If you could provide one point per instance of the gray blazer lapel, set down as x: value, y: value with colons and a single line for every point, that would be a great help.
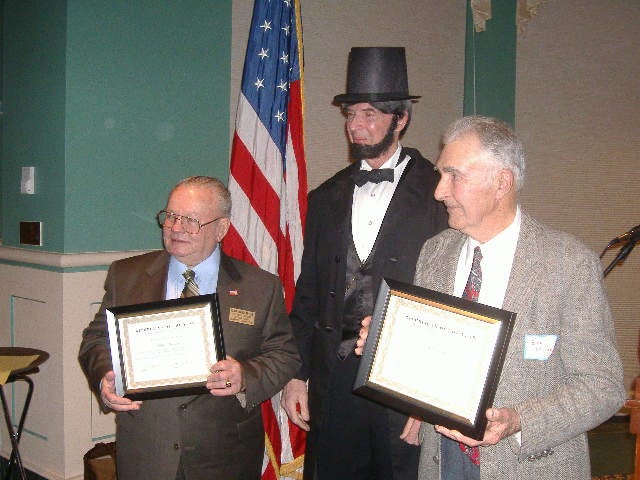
x: 449, y: 265
x: 436, y: 268
x: 525, y: 278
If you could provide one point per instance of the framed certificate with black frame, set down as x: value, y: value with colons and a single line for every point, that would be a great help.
x: 165, y: 348
x: 434, y: 356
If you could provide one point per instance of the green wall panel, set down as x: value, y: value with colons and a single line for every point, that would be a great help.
x: 144, y: 102
x: 490, y: 64
x: 34, y: 39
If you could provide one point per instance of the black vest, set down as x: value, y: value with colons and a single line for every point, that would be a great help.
x: 362, y: 281
x: 358, y: 294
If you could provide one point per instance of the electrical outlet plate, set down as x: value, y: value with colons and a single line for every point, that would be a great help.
x: 31, y: 233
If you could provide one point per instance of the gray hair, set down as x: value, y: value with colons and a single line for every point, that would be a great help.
x: 497, y: 138
x: 224, y: 196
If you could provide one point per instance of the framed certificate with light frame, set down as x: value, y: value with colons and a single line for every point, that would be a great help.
x: 165, y: 348
x: 434, y: 356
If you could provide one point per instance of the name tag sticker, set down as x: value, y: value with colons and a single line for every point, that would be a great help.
x: 539, y: 347
x: 245, y: 317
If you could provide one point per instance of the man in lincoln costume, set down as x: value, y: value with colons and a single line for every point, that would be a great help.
x: 366, y: 222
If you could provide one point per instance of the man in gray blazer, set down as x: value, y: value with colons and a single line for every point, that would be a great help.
x: 212, y: 435
x: 562, y: 374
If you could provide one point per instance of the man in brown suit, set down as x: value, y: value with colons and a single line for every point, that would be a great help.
x: 218, y: 434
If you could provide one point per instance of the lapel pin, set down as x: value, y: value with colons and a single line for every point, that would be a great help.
x: 233, y: 293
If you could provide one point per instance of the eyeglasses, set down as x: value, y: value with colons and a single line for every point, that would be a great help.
x: 190, y: 225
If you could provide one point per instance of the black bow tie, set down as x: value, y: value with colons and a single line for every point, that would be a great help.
x: 374, y: 176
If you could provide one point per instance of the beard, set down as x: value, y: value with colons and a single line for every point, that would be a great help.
x: 359, y: 151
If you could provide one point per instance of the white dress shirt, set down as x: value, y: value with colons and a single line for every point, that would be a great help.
x: 206, y: 275
x: 496, y: 263
x: 497, y: 259
x: 370, y: 203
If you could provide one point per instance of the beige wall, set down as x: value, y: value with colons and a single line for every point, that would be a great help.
x: 48, y: 310
x: 31, y: 301
x: 578, y: 94
x: 45, y: 309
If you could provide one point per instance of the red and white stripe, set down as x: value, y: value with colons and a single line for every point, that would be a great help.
x: 269, y: 203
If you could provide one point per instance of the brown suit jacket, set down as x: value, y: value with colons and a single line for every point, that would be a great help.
x: 213, y: 437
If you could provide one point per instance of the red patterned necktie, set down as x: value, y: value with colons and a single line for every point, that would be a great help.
x: 471, y: 292
x: 472, y: 289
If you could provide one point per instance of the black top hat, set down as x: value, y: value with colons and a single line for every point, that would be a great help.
x: 376, y: 74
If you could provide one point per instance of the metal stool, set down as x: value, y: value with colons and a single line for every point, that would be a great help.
x: 23, y: 375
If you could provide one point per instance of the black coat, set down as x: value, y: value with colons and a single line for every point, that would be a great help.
x: 412, y: 217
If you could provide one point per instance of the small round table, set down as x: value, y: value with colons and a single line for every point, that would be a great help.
x: 19, y: 374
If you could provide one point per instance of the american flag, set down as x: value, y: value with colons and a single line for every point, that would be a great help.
x: 268, y: 184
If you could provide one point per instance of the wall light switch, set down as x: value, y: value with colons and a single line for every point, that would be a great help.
x: 28, y: 180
